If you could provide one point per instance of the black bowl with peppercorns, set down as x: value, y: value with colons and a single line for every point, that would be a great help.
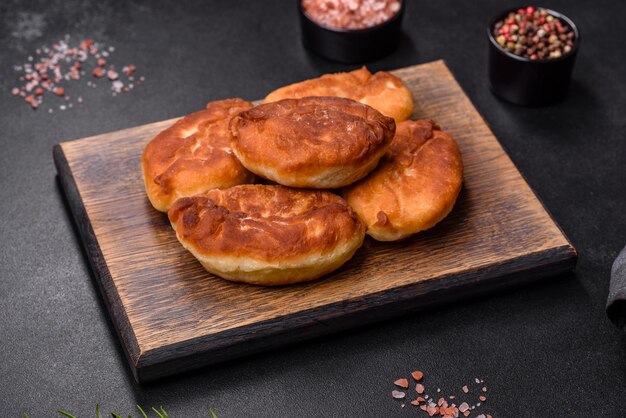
x: 349, y: 31
x: 531, y: 55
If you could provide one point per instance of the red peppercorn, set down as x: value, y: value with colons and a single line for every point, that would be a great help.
x: 534, y: 32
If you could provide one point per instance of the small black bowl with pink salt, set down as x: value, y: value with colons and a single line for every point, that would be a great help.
x: 351, y: 31
x: 532, y: 52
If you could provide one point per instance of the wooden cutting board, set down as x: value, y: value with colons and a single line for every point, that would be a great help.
x: 171, y: 315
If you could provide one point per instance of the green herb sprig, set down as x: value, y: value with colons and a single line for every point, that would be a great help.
x: 160, y: 413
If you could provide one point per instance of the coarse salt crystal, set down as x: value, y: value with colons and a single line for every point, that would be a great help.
x: 117, y: 86
x: 397, y: 394
x: 417, y: 375
x: 403, y: 383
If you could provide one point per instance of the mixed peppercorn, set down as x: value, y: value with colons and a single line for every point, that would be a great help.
x: 534, y: 33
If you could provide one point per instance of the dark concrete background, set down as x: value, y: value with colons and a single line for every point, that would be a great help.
x: 543, y: 350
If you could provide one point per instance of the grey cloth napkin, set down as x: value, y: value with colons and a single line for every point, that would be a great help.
x: 616, y: 303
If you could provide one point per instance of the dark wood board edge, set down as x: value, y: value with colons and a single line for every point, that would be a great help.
x: 507, y: 155
x: 258, y: 337
x: 278, y: 332
x: 96, y: 259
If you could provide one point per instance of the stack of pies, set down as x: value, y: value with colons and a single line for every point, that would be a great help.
x: 285, y: 191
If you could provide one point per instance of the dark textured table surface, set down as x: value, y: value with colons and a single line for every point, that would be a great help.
x: 545, y: 349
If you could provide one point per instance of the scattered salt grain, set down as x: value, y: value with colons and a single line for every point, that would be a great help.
x: 403, y: 383
x: 440, y: 407
x: 117, y: 86
x: 397, y: 394
x: 54, y: 66
x: 417, y: 375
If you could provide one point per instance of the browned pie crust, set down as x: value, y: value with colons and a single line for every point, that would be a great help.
x: 382, y: 91
x: 415, y: 185
x: 314, y: 142
x: 194, y: 155
x: 266, y: 234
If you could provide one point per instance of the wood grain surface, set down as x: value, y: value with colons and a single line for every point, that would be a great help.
x: 172, y: 315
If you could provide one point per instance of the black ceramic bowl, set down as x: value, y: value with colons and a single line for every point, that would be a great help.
x: 351, y: 45
x: 530, y: 82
